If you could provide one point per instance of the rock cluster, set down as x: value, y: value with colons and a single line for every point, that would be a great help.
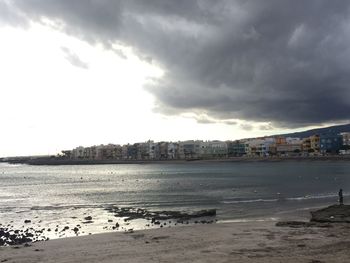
x: 332, y: 214
x: 322, y: 218
x: 9, y: 236
x: 129, y: 213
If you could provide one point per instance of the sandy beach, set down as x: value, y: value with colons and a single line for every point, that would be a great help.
x: 224, y: 242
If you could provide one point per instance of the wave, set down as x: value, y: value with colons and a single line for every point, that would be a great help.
x: 249, y: 201
x: 246, y: 220
x: 281, y: 199
x: 309, y: 197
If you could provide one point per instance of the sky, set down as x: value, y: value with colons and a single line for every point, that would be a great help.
x: 90, y: 72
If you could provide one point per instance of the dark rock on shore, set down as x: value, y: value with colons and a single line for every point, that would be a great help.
x: 14, y: 237
x: 165, y: 215
x: 332, y: 214
x: 322, y: 218
x: 129, y: 213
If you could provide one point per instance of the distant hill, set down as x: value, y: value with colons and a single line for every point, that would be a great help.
x: 328, y: 130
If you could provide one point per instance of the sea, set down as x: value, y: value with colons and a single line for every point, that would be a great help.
x: 57, y: 199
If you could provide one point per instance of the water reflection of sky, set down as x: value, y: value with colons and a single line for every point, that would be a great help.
x: 171, y: 186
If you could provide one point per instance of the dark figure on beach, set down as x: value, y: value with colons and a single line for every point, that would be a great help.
x: 341, y: 200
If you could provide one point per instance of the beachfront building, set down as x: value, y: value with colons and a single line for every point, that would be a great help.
x: 282, y: 146
x: 196, y: 149
x: 130, y: 151
x: 311, y: 145
x: 289, y: 146
x: 173, y: 151
x: 218, y: 149
x: 257, y: 147
x: 142, y: 151
x: 330, y: 143
x: 163, y: 150
x: 212, y: 149
x: 153, y: 150
x: 293, y: 140
x: 251, y: 147
x: 288, y: 149
x: 346, y: 138
x: 189, y: 149
x: 106, y: 152
x: 78, y: 153
x: 280, y: 140
x: 315, y: 143
x: 270, y: 145
x: 306, y: 145
x: 88, y: 153
x: 205, y: 150
x: 345, y: 149
x: 237, y: 148
x: 125, y: 152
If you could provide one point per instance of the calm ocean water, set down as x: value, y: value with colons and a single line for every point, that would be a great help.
x: 52, y: 196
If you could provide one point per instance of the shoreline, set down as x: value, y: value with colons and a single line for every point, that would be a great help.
x: 223, y: 242
x: 81, y: 221
x: 56, y: 161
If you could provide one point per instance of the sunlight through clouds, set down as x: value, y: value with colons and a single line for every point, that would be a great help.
x: 59, y: 92
x: 46, y: 94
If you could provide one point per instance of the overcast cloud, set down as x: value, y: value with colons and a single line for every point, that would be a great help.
x: 74, y: 59
x: 278, y: 61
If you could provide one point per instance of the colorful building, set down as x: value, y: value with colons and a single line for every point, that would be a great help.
x: 331, y: 143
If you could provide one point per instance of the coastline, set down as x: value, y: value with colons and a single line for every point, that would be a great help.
x: 223, y: 242
x: 57, y: 161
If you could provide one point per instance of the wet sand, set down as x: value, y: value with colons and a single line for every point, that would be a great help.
x: 224, y: 242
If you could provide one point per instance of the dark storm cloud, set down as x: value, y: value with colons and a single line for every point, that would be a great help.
x: 8, y: 15
x: 284, y: 62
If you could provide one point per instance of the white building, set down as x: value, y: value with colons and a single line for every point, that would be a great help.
x: 190, y: 149
x: 153, y: 150
x: 291, y: 140
x: 173, y: 149
x: 78, y: 153
x: 256, y: 147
